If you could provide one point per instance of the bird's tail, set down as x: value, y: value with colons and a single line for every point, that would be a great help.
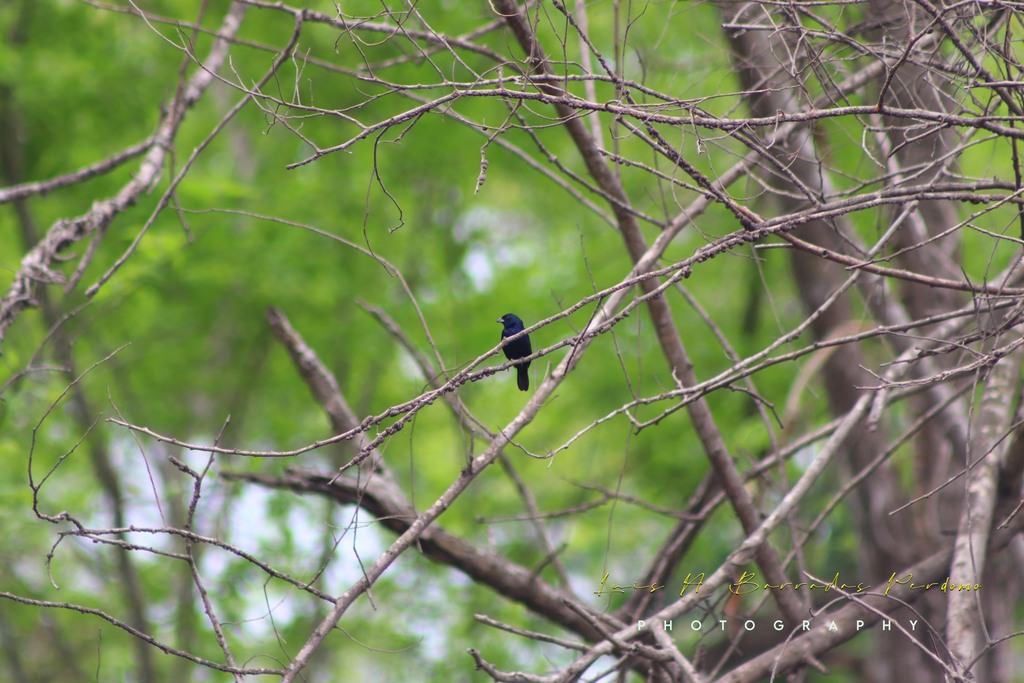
x: 523, y: 378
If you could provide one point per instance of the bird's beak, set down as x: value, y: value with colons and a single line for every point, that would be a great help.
x: 499, y: 320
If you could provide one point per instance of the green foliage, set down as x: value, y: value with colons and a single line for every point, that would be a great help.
x: 177, y: 341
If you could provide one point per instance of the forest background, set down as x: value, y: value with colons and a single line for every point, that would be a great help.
x: 255, y: 423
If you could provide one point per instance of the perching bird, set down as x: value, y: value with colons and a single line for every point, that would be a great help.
x: 520, y: 348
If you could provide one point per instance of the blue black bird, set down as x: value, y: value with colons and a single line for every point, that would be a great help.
x: 520, y: 348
